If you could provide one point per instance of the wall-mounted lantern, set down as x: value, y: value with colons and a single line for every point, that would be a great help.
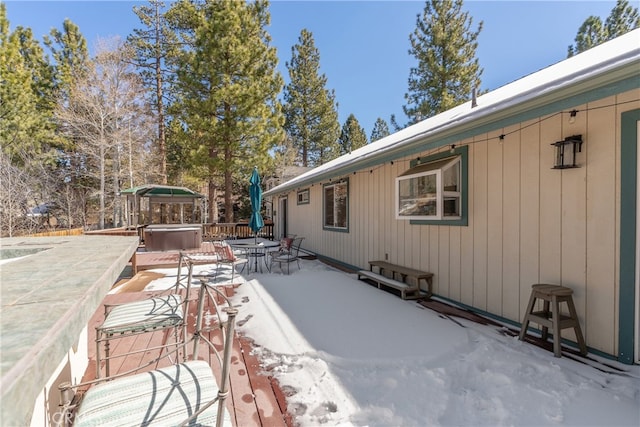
x: 566, y: 151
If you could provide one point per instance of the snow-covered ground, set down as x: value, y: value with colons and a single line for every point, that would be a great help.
x: 348, y: 354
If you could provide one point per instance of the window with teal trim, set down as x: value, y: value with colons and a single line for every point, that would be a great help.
x: 434, y: 190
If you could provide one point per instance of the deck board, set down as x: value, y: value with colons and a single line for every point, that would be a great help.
x: 143, y: 260
x: 252, y: 400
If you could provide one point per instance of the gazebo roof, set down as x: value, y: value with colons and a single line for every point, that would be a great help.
x: 152, y: 190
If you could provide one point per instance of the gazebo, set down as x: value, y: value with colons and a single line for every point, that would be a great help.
x: 166, y: 217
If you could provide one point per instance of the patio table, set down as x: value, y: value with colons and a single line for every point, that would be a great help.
x: 255, y: 248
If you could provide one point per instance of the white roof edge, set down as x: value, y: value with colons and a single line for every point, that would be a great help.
x: 597, y: 61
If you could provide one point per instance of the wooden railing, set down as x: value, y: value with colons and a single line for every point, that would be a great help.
x: 113, y: 232
x: 234, y: 230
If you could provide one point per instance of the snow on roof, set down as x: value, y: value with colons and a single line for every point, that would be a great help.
x: 599, y: 62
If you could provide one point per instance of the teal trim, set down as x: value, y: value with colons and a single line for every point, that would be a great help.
x: 547, y: 109
x: 514, y: 324
x: 628, y: 212
x: 341, y: 264
x: 329, y: 228
x: 463, y: 152
x: 471, y: 129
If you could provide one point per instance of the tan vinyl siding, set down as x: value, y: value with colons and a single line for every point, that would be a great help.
x: 527, y: 223
x: 511, y: 226
x: 529, y: 226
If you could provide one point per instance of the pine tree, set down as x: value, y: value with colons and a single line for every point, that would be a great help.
x: 230, y: 85
x: 311, y: 117
x: 590, y: 34
x: 352, y: 136
x: 70, y: 55
x: 447, y: 70
x: 622, y: 19
x: 155, y: 45
x: 380, y: 130
x: 24, y: 121
x: 41, y: 71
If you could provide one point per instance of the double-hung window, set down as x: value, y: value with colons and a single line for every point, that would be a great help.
x: 336, y: 205
x: 431, y: 191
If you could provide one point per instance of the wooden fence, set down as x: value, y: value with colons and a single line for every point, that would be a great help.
x: 65, y: 232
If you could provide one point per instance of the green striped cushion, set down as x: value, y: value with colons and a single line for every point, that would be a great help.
x: 164, y: 397
x: 143, y: 315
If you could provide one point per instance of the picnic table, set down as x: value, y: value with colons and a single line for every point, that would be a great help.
x: 409, y: 278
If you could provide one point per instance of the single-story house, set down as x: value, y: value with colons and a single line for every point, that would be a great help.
x: 534, y: 182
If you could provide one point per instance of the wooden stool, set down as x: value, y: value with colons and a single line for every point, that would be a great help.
x: 553, y: 295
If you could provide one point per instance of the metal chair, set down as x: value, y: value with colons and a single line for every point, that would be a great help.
x: 185, y: 393
x: 162, y: 312
x: 286, y: 240
x: 226, y: 256
x: 287, y: 256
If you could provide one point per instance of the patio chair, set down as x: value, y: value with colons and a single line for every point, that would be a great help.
x: 227, y: 257
x: 186, y: 393
x: 165, y: 311
x: 286, y: 241
x: 287, y: 256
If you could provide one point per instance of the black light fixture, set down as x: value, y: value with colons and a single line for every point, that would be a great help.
x: 572, y: 116
x: 566, y: 151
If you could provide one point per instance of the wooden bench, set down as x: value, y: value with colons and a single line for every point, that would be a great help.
x: 413, y: 291
x: 405, y: 273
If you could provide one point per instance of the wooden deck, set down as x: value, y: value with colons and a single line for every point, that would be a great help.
x: 148, y: 260
x: 255, y: 398
x: 143, y: 260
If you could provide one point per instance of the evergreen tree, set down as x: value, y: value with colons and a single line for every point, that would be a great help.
x: 352, y: 136
x: 448, y: 70
x: 622, y: 19
x: 229, y: 84
x: 41, y: 71
x: 70, y: 56
x: 590, y: 34
x: 154, y: 46
x: 24, y: 122
x: 311, y: 117
x: 380, y: 130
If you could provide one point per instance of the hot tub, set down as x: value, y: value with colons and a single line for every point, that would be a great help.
x: 166, y: 237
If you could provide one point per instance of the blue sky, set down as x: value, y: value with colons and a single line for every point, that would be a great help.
x: 364, y: 45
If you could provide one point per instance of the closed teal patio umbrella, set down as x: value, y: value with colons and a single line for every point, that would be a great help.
x: 255, y: 195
